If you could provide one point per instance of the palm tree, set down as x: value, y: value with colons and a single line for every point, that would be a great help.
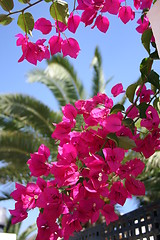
x: 9, y: 228
x: 25, y: 122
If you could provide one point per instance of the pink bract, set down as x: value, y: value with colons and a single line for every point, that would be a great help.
x: 43, y: 25
x: 70, y: 47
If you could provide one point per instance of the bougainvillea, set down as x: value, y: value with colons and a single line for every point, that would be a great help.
x: 91, y: 173
x: 93, y: 13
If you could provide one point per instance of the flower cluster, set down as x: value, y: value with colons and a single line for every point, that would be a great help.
x: 91, y: 13
x: 91, y: 173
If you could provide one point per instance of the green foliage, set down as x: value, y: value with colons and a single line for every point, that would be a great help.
x: 59, y: 11
x: 113, y: 137
x: 7, y: 5
x: 146, y: 39
x: 5, y: 20
x: 126, y: 142
x: 24, y: 1
x: 142, y: 107
x: 117, y: 108
x: 145, y: 67
x: 130, y: 92
x: 153, y: 78
x: 26, y: 22
x: 128, y: 122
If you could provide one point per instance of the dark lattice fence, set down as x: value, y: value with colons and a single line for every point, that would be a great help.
x: 141, y: 224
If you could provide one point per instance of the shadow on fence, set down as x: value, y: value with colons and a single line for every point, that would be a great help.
x: 141, y: 224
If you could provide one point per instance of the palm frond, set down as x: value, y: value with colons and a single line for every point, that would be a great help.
x: 15, y: 149
x: 27, y: 232
x: 98, y: 83
x: 70, y: 69
x: 24, y: 112
x: 60, y: 79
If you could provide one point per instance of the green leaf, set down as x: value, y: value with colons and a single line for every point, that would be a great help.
x: 117, y: 108
x: 7, y: 5
x: 24, y: 1
x: 5, y: 20
x: 79, y: 164
x: 26, y: 22
x: 145, y: 66
x: 131, y: 91
x: 128, y: 122
x: 153, y: 78
x: 126, y: 142
x: 146, y: 39
x: 154, y: 55
x: 113, y: 137
x: 48, y: 0
x: 142, y: 109
x: 59, y: 11
x: 156, y: 104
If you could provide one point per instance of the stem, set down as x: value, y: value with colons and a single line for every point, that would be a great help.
x: 154, y: 96
x: 22, y: 10
x: 74, y: 8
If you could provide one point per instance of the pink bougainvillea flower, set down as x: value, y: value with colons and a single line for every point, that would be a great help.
x: 132, y: 168
x: 112, y: 123
x: 102, y: 23
x: 73, y: 22
x: 70, y: 224
x: 133, y: 113
x: 70, y: 47
x: 146, y: 4
x: 65, y: 174
x: 16, y: 194
x: 111, y: 6
x: 118, y: 193
x: 55, y: 44
x: 143, y: 25
x: 43, y: 25
x: 117, y: 89
x: 69, y: 111
x: 38, y: 165
x: 60, y: 26
x: 109, y: 214
x: 148, y: 145
x: 18, y: 215
x: 152, y: 119
x: 21, y: 39
x: 114, y: 157
x: 144, y: 94
x: 29, y: 50
x: 44, y: 150
x: 137, y: 4
x: 68, y: 153
x: 135, y: 187
x: 88, y: 16
x: 126, y: 14
x: 42, y: 51
x: 62, y: 130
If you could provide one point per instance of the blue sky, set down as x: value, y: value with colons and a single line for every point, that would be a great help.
x: 120, y: 47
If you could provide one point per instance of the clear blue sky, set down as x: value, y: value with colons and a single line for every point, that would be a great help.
x: 120, y: 47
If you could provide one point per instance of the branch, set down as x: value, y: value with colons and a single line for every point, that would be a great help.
x: 23, y: 9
